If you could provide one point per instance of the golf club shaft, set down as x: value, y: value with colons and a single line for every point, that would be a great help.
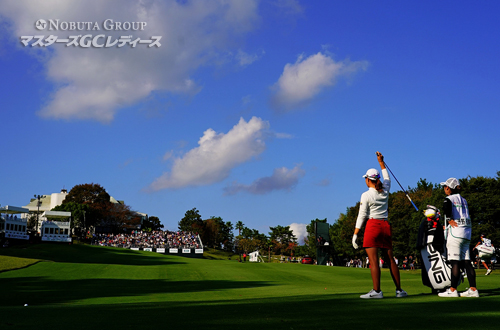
x: 416, y: 208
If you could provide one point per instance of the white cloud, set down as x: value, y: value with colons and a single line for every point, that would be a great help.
x: 245, y: 59
x: 307, y: 77
x: 94, y: 83
x: 300, y: 231
x: 281, y: 179
x: 168, y: 155
x: 216, y: 155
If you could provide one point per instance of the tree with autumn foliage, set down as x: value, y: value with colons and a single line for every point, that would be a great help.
x: 94, y: 200
x: 281, y: 237
x: 251, y: 240
x: 218, y: 234
x: 90, y: 206
x: 121, y: 217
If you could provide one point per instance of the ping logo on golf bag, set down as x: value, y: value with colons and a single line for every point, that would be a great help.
x: 436, y: 270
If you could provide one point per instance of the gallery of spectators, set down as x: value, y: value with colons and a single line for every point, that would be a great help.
x: 55, y: 226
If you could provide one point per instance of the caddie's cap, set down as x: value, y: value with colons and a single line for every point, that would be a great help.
x: 372, y: 174
x: 451, y: 182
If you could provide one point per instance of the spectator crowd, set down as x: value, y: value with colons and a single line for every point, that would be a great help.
x: 154, y: 239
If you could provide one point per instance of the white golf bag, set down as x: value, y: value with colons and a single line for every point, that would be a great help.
x: 435, y: 265
x: 485, y: 251
x: 436, y: 271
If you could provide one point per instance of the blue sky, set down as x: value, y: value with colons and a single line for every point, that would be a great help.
x: 265, y: 112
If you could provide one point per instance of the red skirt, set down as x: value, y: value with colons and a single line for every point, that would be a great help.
x: 377, y: 234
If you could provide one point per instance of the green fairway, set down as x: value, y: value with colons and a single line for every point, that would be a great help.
x: 86, y: 287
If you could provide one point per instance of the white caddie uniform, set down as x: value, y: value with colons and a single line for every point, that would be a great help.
x: 458, y: 238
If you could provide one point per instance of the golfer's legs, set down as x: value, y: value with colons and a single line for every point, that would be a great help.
x: 374, y: 267
x: 389, y: 258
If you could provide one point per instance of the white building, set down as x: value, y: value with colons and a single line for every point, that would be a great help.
x: 56, y: 231
x: 12, y: 226
x: 46, y: 203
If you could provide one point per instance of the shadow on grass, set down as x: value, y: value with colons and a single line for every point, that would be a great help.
x: 41, y: 291
x: 340, y: 311
x: 79, y: 253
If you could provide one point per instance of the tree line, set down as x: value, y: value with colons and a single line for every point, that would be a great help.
x: 91, y: 206
x: 216, y: 233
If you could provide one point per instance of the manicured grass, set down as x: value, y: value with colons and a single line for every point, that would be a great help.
x: 214, y: 254
x: 11, y: 263
x: 85, y: 287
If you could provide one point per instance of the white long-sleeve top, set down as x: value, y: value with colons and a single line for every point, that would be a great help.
x: 374, y: 204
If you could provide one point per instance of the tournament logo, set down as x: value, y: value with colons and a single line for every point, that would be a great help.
x: 41, y: 24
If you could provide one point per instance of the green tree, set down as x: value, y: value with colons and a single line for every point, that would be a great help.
x: 78, y: 213
x: 250, y: 240
x: 216, y: 232
x: 281, y: 238
x: 192, y: 221
x: 239, y: 227
x: 227, y: 236
x: 245, y: 245
x: 342, y: 230
x: 482, y: 195
x: 88, y: 193
x: 152, y: 223
x: 95, y: 198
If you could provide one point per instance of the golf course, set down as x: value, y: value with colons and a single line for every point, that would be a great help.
x: 56, y: 286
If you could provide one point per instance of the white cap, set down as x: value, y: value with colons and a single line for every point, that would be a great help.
x: 372, y: 174
x: 451, y: 182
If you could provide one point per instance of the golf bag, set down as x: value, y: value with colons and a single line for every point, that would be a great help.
x: 485, y: 251
x: 436, y: 272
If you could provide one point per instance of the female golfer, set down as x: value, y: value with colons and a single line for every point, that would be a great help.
x: 377, y: 237
x: 458, y: 232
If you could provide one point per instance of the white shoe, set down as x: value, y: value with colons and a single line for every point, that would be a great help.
x: 449, y: 294
x: 470, y: 293
x: 401, y: 293
x: 488, y: 272
x: 372, y: 294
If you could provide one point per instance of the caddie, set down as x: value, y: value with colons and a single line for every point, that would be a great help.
x: 458, y: 235
x: 486, y: 252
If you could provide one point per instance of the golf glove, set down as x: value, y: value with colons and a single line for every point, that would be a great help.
x: 354, y: 238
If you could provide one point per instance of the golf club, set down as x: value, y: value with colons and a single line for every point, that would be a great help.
x: 416, y: 208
